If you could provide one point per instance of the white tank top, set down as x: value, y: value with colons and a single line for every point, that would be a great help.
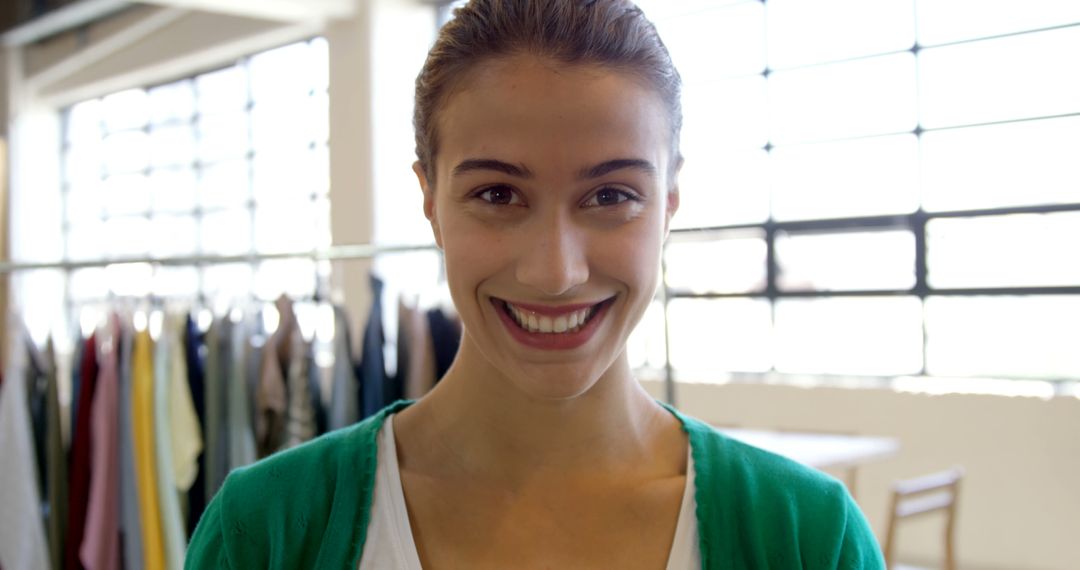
x: 389, y: 542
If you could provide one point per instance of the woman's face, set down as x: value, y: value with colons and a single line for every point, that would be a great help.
x: 551, y: 200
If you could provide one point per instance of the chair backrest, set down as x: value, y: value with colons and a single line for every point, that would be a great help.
x: 936, y: 492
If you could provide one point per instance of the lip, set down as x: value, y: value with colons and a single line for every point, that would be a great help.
x: 553, y: 341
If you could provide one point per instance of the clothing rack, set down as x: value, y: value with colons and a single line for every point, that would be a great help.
x: 333, y: 253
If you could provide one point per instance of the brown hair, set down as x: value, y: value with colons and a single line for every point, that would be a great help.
x: 611, y: 33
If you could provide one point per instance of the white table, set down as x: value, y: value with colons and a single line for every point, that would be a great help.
x: 821, y: 450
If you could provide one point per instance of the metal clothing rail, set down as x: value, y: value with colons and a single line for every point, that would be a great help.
x: 337, y: 252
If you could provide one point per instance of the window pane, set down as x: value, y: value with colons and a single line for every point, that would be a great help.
x: 223, y: 91
x: 83, y: 203
x: 1004, y: 251
x: 226, y: 233
x: 846, y: 261
x: 223, y: 136
x: 1014, y: 77
x: 724, y: 115
x: 174, y: 236
x: 723, y: 189
x: 84, y: 122
x: 172, y: 146
x: 1033, y: 162
x: 289, y: 127
x: 86, y: 241
x: 712, y: 337
x: 173, y: 190
x: 125, y: 110
x: 850, y: 336
x: 951, y: 20
x: 813, y: 31
x: 320, y: 64
x: 224, y: 185
x: 283, y: 75
x: 645, y: 347
x: 130, y: 279
x: 864, y: 177
x: 82, y: 162
x: 730, y: 262
x: 1033, y: 336
x: 127, y: 151
x: 717, y: 42
x: 128, y: 236
x: 172, y: 102
x: 126, y: 194
x: 285, y: 226
x: 864, y: 97
x: 175, y: 281
x: 292, y: 277
x: 283, y: 176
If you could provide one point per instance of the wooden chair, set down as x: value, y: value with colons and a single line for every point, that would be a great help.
x: 923, y: 495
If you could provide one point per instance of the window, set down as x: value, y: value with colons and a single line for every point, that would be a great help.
x: 882, y: 188
x: 230, y: 162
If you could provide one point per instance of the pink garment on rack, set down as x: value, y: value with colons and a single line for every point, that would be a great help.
x: 100, y: 549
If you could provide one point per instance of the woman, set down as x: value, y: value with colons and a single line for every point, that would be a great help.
x: 548, y: 152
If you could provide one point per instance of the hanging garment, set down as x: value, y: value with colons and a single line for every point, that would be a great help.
x: 35, y: 376
x: 22, y: 536
x: 372, y: 369
x: 100, y: 548
x: 300, y: 419
x: 271, y: 394
x: 343, y: 386
x: 239, y: 420
x: 446, y: 334
x: 187, y: 440
x: 416, y: 352
x: 130, y: 516
x: 142, y: 402
x: 216, y: 434
x: 195, y: 354
x: 172, y: 523
x: 79, y: 482
x: 56, y: 463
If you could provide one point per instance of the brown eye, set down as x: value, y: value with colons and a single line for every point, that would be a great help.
x: 499, y: 196
x: 610, y: 196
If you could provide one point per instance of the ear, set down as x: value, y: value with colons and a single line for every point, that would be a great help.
x: 429, y: 202
x: 672, y: 198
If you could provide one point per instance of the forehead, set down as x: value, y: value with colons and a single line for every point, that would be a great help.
x: 539, y: 112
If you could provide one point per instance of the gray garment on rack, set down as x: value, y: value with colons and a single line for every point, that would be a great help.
x: 130, y: 521
x: 239, y: 424
x: 344, y: 410
x: 56, y: 464
x: 217, y: 442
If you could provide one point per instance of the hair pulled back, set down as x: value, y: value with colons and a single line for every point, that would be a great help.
x: 609, y: 33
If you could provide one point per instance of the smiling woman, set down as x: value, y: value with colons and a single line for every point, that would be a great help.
x: 547, y: 144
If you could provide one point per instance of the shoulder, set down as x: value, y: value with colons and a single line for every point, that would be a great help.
x: 293, y: 503
x: 759, y: 509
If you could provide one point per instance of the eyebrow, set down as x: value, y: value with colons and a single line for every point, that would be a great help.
x: 521, y: 171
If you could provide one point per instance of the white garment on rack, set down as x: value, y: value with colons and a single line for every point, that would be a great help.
x: 389, y: 542
x: 172, y: 521
x: 22, y: 532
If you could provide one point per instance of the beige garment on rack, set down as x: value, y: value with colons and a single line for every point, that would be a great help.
x: 419, y: 371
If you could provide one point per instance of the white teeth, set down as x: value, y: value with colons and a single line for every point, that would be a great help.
x: 532, y: 322
x: 560, y: 324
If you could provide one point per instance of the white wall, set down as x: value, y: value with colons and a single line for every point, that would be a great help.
x: 1020, y: 500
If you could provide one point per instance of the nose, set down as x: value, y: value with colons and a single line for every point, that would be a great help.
x: 554, y: 256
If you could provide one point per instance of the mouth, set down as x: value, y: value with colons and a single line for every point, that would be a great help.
x: 555, y: 328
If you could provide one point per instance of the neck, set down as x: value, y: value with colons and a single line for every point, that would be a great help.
x: 486, y: 426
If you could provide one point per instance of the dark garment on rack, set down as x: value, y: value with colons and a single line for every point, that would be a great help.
x: 218, y: 364
x: 321, y: 417
x: 79, y: 482
x: 344, y: 405
x: 195, y: 355
x: 446, y: 333
x: 372, y: 369
x: 56, y: 464
x: 130, y: 517
x: 37, y: 401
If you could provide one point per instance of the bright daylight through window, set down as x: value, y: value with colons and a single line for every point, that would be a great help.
x: 229, y: 162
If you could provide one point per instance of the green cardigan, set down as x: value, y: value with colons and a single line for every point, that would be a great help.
x: 309, y: 507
